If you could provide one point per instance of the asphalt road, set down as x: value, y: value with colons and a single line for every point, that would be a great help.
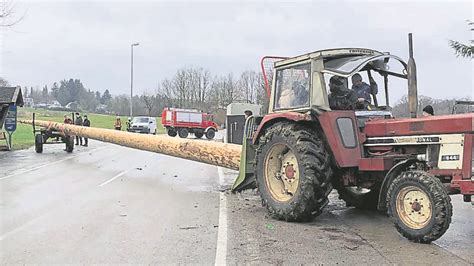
x: 111, y: 204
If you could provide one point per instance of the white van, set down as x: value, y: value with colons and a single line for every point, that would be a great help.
x: 143, y: 124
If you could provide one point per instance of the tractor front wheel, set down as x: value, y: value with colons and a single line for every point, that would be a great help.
x: 419, y: 206
x: 293, y: 172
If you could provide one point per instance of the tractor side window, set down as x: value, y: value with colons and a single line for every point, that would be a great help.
x: 292, y: 87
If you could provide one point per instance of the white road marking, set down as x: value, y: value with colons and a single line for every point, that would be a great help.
x: 221, y: 250
x: 113, y: 178
x: 48, y: 164
x: 18, y: 229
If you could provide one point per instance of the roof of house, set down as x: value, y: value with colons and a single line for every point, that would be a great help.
x: 11, y: 95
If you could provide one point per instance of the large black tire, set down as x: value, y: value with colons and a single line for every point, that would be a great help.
x: 69, y: 144
x: 358, y: 199
x: 38, y: 143
x: 313, y: 161
x: 211, y: 133
x: 198, y: 134
x: 171, y: 132
x: 415, y: 225
x: 183, y: 133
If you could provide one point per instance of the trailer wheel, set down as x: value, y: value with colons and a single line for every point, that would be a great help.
x: 69, y: 144
x: 419, y: 206
x: 198, y: 134
x: 183, y: 133
x: 39, y: 143
x: 293, y: 172
x: 172, y: 132
x: 211, y: 133
x: 359, y: 198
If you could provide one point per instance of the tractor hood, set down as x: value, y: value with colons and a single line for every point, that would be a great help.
x: 438, y: 124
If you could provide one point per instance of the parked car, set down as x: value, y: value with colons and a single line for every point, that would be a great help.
x: 143, y: 124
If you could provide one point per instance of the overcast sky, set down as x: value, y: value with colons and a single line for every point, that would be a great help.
x: 91, y: 40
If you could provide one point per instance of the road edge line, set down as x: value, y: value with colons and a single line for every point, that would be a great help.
x: 221, y: 249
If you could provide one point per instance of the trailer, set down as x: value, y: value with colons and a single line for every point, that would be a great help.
x: 50, y: 135
x: 184, y: 121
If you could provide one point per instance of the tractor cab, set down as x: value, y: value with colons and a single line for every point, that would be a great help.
x: 302, y: 83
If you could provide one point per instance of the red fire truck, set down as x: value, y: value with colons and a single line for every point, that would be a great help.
x: 184, y: 121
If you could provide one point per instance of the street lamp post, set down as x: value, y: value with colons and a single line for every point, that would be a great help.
x: 131, y: 80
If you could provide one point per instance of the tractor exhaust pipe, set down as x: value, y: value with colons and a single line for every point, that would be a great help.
x: 412, y: 86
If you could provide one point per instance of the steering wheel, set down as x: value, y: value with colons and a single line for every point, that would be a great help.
x: 354, y: 105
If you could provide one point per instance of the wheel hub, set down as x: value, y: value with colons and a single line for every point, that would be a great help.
x: 281, y: 174
x: 289, y: 172
x: 414, y: 207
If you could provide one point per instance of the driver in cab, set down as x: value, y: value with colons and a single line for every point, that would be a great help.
x: 364, y: 90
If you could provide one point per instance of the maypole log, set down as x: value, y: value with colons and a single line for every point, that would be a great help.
x: 210, y: 152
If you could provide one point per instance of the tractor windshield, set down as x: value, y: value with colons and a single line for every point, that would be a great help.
x: 348, y: 65
x: 292, y: 87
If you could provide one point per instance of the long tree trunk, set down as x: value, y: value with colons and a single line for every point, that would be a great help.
x: 210, y: 152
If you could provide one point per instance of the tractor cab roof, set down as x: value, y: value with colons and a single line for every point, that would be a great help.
x: 348, y: 61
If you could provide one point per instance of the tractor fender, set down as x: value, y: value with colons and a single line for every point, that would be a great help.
x: 392, y: 173
x: 271, y: 119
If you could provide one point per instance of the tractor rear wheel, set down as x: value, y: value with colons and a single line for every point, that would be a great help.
x: 419, y: 206
x: 293, y: 172
x: 39, y: 143
x: 183, y: 133
x: 171, y: 132
x: 198, y: 134
x: 360, y: 198
x: 211, y: 133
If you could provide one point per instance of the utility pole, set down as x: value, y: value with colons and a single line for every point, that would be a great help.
x: 131, y: 79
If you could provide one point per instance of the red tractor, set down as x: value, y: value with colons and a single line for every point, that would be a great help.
x: 184, y: 121
x: 303, y: 148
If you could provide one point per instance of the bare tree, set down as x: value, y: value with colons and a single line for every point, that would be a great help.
x: 149, y: 101
x: 4, y: 82
x: 8, y: 16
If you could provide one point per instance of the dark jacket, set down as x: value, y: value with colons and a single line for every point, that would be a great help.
x: 365, y: 90
x: 342, y: 99
x: 78, y: 121
x: 86, y: 122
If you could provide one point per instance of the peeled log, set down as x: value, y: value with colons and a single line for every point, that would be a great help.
x: 210, y: 152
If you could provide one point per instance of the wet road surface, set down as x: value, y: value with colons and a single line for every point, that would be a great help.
x: 110, y: 204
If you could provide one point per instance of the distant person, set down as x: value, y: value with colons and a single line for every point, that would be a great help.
x: 247, y: 114
x: 118, y: 124
x: 67, y: 120
x: 86, y: 123
x: 129, y: 123
x: 428, y: 110
x: 364, y: 90
x: 78, y: 122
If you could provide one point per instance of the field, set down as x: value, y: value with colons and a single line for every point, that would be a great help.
x: 23, y: 136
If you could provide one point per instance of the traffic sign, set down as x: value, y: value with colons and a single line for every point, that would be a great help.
x: 10, y: 120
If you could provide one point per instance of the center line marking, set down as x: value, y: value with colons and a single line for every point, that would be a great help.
x: 221, y: 250
x: 48, y: 164
x: 113, y: 178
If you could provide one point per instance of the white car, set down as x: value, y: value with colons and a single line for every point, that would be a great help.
x: 143, y: 124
